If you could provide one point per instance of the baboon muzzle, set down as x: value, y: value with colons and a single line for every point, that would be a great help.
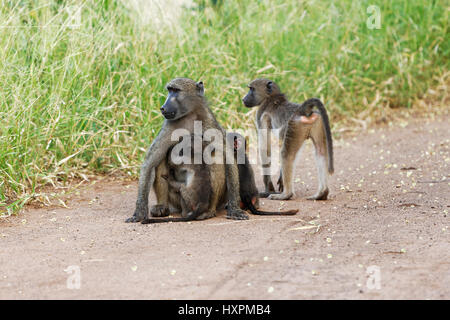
x: 167, y: 114
x: 247, y: 103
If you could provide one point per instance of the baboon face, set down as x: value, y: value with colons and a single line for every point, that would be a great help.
x: 183, y: 95
x: 260, y: 89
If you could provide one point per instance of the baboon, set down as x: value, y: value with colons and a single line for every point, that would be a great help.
x: 296, y: 123
x: 184, y: 105
x: 247, y: 186
x: 191, y: 183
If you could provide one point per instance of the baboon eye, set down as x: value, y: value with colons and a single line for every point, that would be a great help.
x: 172, y: 89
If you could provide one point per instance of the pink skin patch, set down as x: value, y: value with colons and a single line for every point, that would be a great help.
x: 241, y: 204
x: 309, y: 120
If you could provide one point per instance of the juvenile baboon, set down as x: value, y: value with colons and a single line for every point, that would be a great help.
x: 184, y: 105
x: 193, y: 187
x: 247, y: 186
x: 296, y: 123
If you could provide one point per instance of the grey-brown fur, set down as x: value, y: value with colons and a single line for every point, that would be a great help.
x: 185, y: 103
x: 276, y: 112
x: 192, y: 189
x: 247, y: 186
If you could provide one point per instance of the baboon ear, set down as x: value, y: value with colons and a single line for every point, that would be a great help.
x: 269, y: 86
x: 200, y: 88
x: 237, y: 143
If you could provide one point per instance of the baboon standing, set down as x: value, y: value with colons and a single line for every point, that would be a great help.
x: 296, y: 123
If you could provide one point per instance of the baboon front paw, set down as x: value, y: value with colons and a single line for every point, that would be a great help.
x: 140, y: 213
x: 323, y: 195
x: 237, y: 214
x: 133, y: 219
x: 281, y: 196
x: 270, y: 187
x: 159, y: 210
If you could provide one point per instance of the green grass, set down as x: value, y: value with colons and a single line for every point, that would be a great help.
x: 87, y: 99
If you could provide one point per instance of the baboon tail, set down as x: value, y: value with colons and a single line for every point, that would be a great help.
x: 164, y: 220
x: 314, y: 102
x: 254, y: 211
x: 191, y: 216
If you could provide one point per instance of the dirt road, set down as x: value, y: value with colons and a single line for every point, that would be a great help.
x: 383, y: 234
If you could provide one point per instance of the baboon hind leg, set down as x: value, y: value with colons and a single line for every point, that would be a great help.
x: 268, y: 185
x: 295, y: 136
x: 185, y: 202
x: 161, y: 187
x: 320, y: 145
x: 264, y: 151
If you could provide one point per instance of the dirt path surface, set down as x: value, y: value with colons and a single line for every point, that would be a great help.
x: 387, y: 219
